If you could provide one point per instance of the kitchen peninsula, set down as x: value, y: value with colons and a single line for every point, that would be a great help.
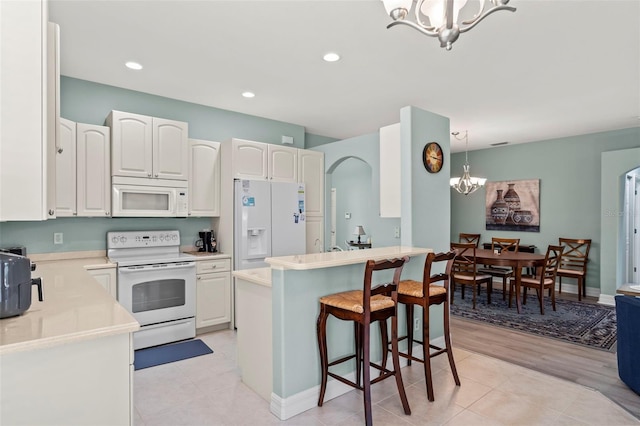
x: 68, y: 360
x: 276, y: 314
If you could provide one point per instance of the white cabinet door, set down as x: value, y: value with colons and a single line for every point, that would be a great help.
x: 131, y: 144
x: 311, y: 173
x: 170, y: 149
x: 107, y: 278
x: 283, y: 163
x: 204, y: 178
x: 315, y: 234
x: 53, y: 113
x: 66, y: 169
x: 23, y: 110
x: 213, y: 295
x: 249, y: 159
x: 390, y: 188
x: 94, y: 170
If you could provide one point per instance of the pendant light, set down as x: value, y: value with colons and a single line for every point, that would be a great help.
x: 466, y: 184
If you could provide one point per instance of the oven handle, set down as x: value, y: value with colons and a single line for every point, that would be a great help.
x: 156, y: 267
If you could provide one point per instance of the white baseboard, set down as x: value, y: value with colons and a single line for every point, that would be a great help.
x: 285, y: 408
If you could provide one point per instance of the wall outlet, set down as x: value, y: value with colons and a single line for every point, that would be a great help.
x: 416, y: 324
x: 57, y: 238
x: 396, y: 232
x: 347, y: 215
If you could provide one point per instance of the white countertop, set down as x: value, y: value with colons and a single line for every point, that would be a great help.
x: 260, y: 276
x: 203, y: 255
x: 341, y: 258
x: 75, y: 307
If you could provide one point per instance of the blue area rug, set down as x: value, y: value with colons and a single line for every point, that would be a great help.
x: 150, y: 357
x: 581, y: 323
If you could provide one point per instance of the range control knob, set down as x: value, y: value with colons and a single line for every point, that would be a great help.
x: 114, y: 240
x: 175, y: 237
x: 123, y: 239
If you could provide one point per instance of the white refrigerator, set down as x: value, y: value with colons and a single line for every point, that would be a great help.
x: 269, y: 221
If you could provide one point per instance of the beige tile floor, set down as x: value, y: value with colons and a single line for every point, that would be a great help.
x: 207, y: 390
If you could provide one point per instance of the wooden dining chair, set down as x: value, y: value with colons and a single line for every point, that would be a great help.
x: 574, y: 263
x: 469, y: 238
x: 465, y: 271
x: 364, y: 307
x: 546, y: 279
x: 500, y: 244
x: 432, y: 290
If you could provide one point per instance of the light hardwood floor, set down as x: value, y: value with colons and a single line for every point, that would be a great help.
x: 589, y: 367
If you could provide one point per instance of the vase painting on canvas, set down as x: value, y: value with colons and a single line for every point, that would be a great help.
x: 513, y: 205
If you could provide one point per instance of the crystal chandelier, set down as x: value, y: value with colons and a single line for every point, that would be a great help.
x: 466, y: 184
x: 442, y: 16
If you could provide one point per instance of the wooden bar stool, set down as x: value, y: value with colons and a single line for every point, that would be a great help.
x: 425, y: 294
x: 364, y: 307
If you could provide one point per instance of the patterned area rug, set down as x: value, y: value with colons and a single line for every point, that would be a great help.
x: 581, y: 323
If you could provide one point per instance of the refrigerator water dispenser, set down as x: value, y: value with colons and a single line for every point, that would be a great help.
x: 257, y: 242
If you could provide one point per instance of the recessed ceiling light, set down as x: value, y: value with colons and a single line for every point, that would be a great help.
x: 331, y: 57
x: 248, y: 94
x: 133, y: 65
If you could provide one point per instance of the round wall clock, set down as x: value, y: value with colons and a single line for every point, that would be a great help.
x: 432, y: 157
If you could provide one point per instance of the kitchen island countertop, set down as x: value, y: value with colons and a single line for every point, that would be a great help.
x: 342, y: 258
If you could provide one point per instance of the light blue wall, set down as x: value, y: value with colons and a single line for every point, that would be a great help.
x: 570, y: 174
x: 354, y: 192
x: 311, y: 140
x: 87, y: 102
x: 85, y: 233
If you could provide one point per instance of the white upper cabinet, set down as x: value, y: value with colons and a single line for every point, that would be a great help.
x: 257, y: 160
x: 250, y: 160
x: 283, y: 163
x: 170, y: 149
x: 204, y: 178
x: 311, y: 173
x: 148, y: 147
x: 23, y: 110
x: 65, y: 176
x: 93, y: 170
x: 390, y: 188
x: 53, y: 113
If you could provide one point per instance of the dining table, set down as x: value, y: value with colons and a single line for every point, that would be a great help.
x: 516, y: 260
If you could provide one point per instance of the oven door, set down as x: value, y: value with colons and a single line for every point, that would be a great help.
x: 158, y: 293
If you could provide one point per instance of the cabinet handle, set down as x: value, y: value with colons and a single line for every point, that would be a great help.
x: 60, y: 150
x: 156, y: 175
x: 106, y: 213
x: 51, y: 212
x: 199, y: 278
x: 149, y: 174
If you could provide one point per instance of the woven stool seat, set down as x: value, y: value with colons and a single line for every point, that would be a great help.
x: 414, y: 288
x: 353, y: 301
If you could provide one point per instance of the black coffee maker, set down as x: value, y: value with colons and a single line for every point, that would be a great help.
x: 207, y: 242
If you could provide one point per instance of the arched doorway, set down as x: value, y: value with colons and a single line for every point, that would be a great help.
x: 349, y: 180
x: 631, y: 223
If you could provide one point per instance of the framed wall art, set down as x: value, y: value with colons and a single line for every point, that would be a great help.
x: 513, y: 205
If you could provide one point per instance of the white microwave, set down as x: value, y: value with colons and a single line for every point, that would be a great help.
x: 142, y: 197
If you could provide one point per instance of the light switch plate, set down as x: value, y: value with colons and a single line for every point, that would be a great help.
x: 347, y: 215
x: 57, y: 238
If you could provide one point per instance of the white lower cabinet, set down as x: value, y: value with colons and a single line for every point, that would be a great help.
x: 315, y: 234
x: 213, y: 292
x: 107, y: 278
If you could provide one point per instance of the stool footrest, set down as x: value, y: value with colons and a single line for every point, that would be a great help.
x: 341, y: 360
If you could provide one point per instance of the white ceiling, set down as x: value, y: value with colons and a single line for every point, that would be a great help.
x: 551, y: 69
